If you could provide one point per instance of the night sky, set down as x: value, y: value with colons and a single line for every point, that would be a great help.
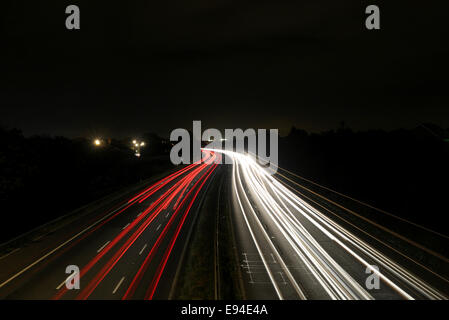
x: 151, y: 66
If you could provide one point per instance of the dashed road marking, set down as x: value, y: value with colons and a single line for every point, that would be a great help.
x: 283, y: 279
x: 249, y: 270
x: 142, y: 249
x: 66, y: 280
x: 118, y: 285
x: 103, y: 246
x: 59, y: 247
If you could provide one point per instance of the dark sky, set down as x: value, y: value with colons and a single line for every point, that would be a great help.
x: 142, y: 66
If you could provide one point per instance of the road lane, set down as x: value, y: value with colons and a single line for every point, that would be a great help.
x: 316, y: 257
x: 110, y: 252
x: 291, y: 245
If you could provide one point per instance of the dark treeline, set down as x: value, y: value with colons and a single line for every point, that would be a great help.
x: 405, y: 172
x: 42, y: 178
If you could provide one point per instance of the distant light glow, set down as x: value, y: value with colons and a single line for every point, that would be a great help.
x: 97, y: 142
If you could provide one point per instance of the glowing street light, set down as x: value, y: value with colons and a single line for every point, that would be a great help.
x: 136, y: 146
x: 97, y: 142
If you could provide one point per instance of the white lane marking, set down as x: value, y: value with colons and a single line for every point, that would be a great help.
x: 167, y: 214
x: 249, y: 270
x: 59, y: 247
x: 118, y: 285
x: 126, y: 226
x: 158, y: 227
x: 283, y: 279
x: 102, y: 247
x: 139, y: 214
x: 9, y: 253
x: 66, y: 280
x: 142, y: 249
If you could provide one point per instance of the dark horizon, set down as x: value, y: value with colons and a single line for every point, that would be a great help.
x: 93, y: 134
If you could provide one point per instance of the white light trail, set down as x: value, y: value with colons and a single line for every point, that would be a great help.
x: 282, y: 209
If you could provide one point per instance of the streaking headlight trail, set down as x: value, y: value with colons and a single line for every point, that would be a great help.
x: 266, y: 204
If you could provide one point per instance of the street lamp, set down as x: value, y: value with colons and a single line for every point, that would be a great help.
x: 136, y: 146
x: 97, y: 142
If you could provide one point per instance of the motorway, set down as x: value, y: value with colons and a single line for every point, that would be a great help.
x: 290, y: 249
x: 290, y: 243
x: 131, y: 252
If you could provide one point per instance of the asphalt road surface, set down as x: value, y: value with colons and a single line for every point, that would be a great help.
x: 131, y: 252
x: 291, y: 249
x: 291, y: 243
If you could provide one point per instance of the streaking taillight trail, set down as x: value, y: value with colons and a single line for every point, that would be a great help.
x: 176, y: 196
